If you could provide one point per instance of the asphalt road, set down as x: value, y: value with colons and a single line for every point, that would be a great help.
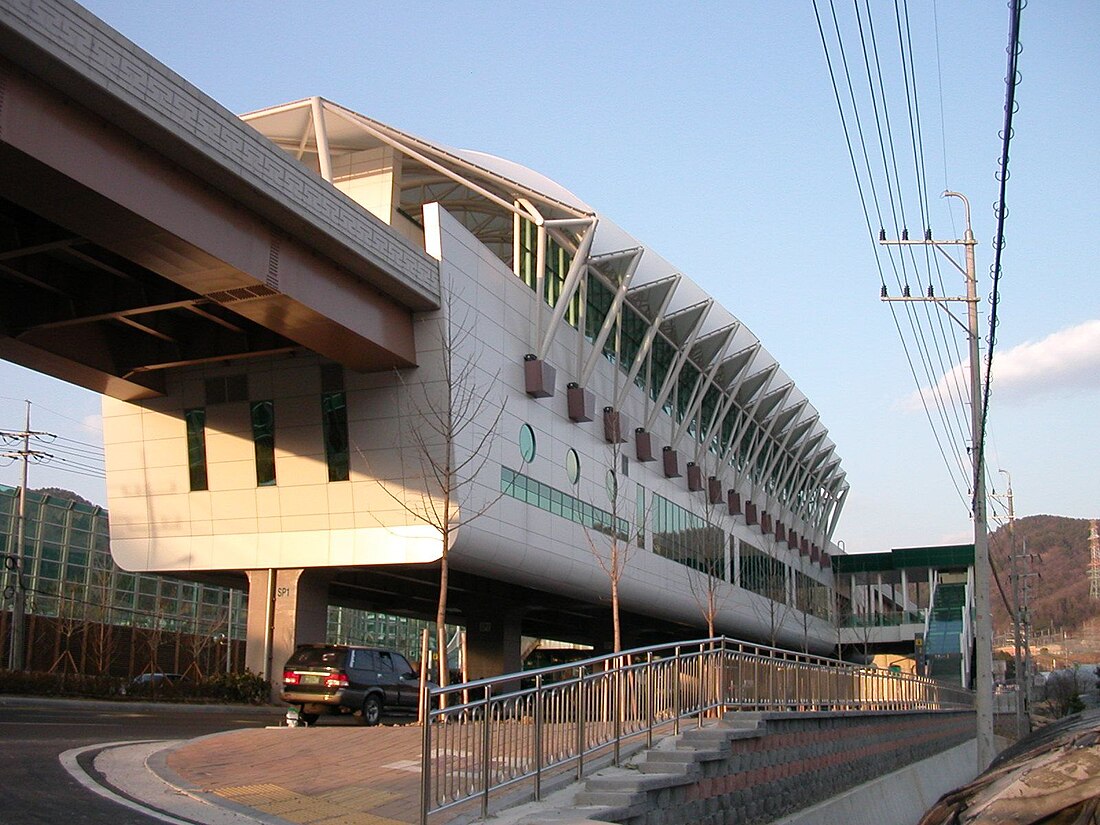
x: 36, y: 790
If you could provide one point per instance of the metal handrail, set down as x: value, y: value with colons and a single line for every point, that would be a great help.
x: 490, y: 734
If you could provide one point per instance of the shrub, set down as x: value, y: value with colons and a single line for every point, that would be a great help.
x: 234, y: 688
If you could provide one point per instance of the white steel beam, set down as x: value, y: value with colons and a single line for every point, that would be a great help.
x: 704, y: 385
x: 320, y: 134
x: 681, y: 356
x: 578, y: 268
x: 611, y: 318
x: 647, y: 344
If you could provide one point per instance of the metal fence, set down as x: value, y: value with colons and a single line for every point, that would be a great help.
x: 492, y: 734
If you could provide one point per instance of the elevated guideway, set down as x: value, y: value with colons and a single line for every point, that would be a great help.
x: 143, y: 227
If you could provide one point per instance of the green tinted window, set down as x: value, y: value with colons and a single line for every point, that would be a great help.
x: 334, y: 423
x: 527, y: 443
x: 263, y: 437
x: 196, y: 447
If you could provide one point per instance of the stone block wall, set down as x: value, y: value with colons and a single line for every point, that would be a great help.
x: 758, y: 767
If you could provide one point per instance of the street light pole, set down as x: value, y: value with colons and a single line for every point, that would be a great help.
x: 983, y: 620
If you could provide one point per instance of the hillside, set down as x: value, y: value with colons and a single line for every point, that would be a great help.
x: 1060, y: 593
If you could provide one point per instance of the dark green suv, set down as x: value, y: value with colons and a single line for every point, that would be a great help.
x: 334, y: 679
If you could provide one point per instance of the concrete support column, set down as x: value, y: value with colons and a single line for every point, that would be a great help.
x: 285, y: 608
x: 494, y: 643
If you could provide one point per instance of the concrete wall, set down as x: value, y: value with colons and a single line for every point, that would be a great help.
x: 899, y: 798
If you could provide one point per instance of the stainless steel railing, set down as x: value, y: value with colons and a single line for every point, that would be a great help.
x: 492, y: 734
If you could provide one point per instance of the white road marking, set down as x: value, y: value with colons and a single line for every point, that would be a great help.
x: 69, y: 763
x: 125, y: 766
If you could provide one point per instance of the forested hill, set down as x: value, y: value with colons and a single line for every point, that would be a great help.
x: 1060, y: 593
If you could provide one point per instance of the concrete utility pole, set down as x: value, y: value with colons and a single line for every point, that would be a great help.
x: 1017, y: 612
x: 983, y: 620
x: 15, y: 560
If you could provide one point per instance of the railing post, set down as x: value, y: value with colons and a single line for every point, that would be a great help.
x: 650, y: 699
x: 538, y: 737
x: 425, y: 756
x: 676, y: 693
x: 617, y: 700
x: 582, y: 710
x: 702, y: 681
x: 486, y: 767
x: 722, y: 692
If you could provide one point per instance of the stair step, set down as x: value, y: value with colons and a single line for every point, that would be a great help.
x: 636, y: 782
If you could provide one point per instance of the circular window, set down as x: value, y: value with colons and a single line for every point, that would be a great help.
x: 527, y: 443
x: 612, y: 485
x: 573, y: 466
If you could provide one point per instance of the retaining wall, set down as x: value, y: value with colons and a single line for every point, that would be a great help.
x: 759, y: 767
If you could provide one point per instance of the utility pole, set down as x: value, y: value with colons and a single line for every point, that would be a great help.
x: 1017, y: 610
x: 16, y: 561
x: 1094, y: 561
x: 983, y: 620
x: 1029, y: 667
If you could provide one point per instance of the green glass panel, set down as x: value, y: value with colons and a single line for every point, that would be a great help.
x: 662, y: 356
x: 195, y: 420
x: 263, y: 438
x: 527, y: 443
x: 598, y: 304
x: 334, y: 425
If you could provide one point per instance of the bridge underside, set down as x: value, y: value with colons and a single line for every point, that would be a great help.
x: 118, y: 265
x: 494, y: 614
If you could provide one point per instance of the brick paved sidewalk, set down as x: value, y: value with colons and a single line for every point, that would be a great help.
x: 311, y: 776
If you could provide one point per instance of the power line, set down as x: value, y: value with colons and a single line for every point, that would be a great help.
x: 1011, y: 79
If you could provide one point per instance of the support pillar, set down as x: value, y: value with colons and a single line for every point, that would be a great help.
x: 285, y: 608
x: 494, y: 643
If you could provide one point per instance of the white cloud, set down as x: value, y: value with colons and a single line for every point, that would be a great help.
x: 93, y: 424
x: 1066, y: 361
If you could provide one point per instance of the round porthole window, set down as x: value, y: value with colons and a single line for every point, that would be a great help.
x: 573, y: 466
x: 612, y: 485
x: 527, y: 443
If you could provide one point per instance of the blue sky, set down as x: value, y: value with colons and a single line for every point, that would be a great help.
x: 710, y: 132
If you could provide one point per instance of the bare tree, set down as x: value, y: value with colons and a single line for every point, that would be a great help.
x: 202, y: 638
x: 102, y: 639
x: 764, y: 574
x: 1063, y: 692
x: 614, y: 534
x: 811, y: 599
x: 70, y: 621
x: 707, y: 571
x: 451, y: 425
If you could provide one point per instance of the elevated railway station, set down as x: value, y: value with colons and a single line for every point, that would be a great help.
x: 302, y: 319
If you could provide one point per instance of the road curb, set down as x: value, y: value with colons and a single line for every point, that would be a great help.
x: 119, y: 704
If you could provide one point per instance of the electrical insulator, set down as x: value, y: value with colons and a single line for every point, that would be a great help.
x: 928, y: 234
x: 931, y: 291
x: 882, y: 234
x: 884, y: 290
x: 905, y: 291
x: 905, y: 234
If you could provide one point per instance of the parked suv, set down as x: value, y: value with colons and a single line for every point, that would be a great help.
x: 334, y: 679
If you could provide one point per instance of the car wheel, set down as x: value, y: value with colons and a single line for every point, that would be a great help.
x: 372, y: 711
x: 309, y: 718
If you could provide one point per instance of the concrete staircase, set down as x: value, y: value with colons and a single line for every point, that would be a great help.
x: 643, y: 785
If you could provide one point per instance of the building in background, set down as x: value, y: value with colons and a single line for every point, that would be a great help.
x: 88, y: 615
